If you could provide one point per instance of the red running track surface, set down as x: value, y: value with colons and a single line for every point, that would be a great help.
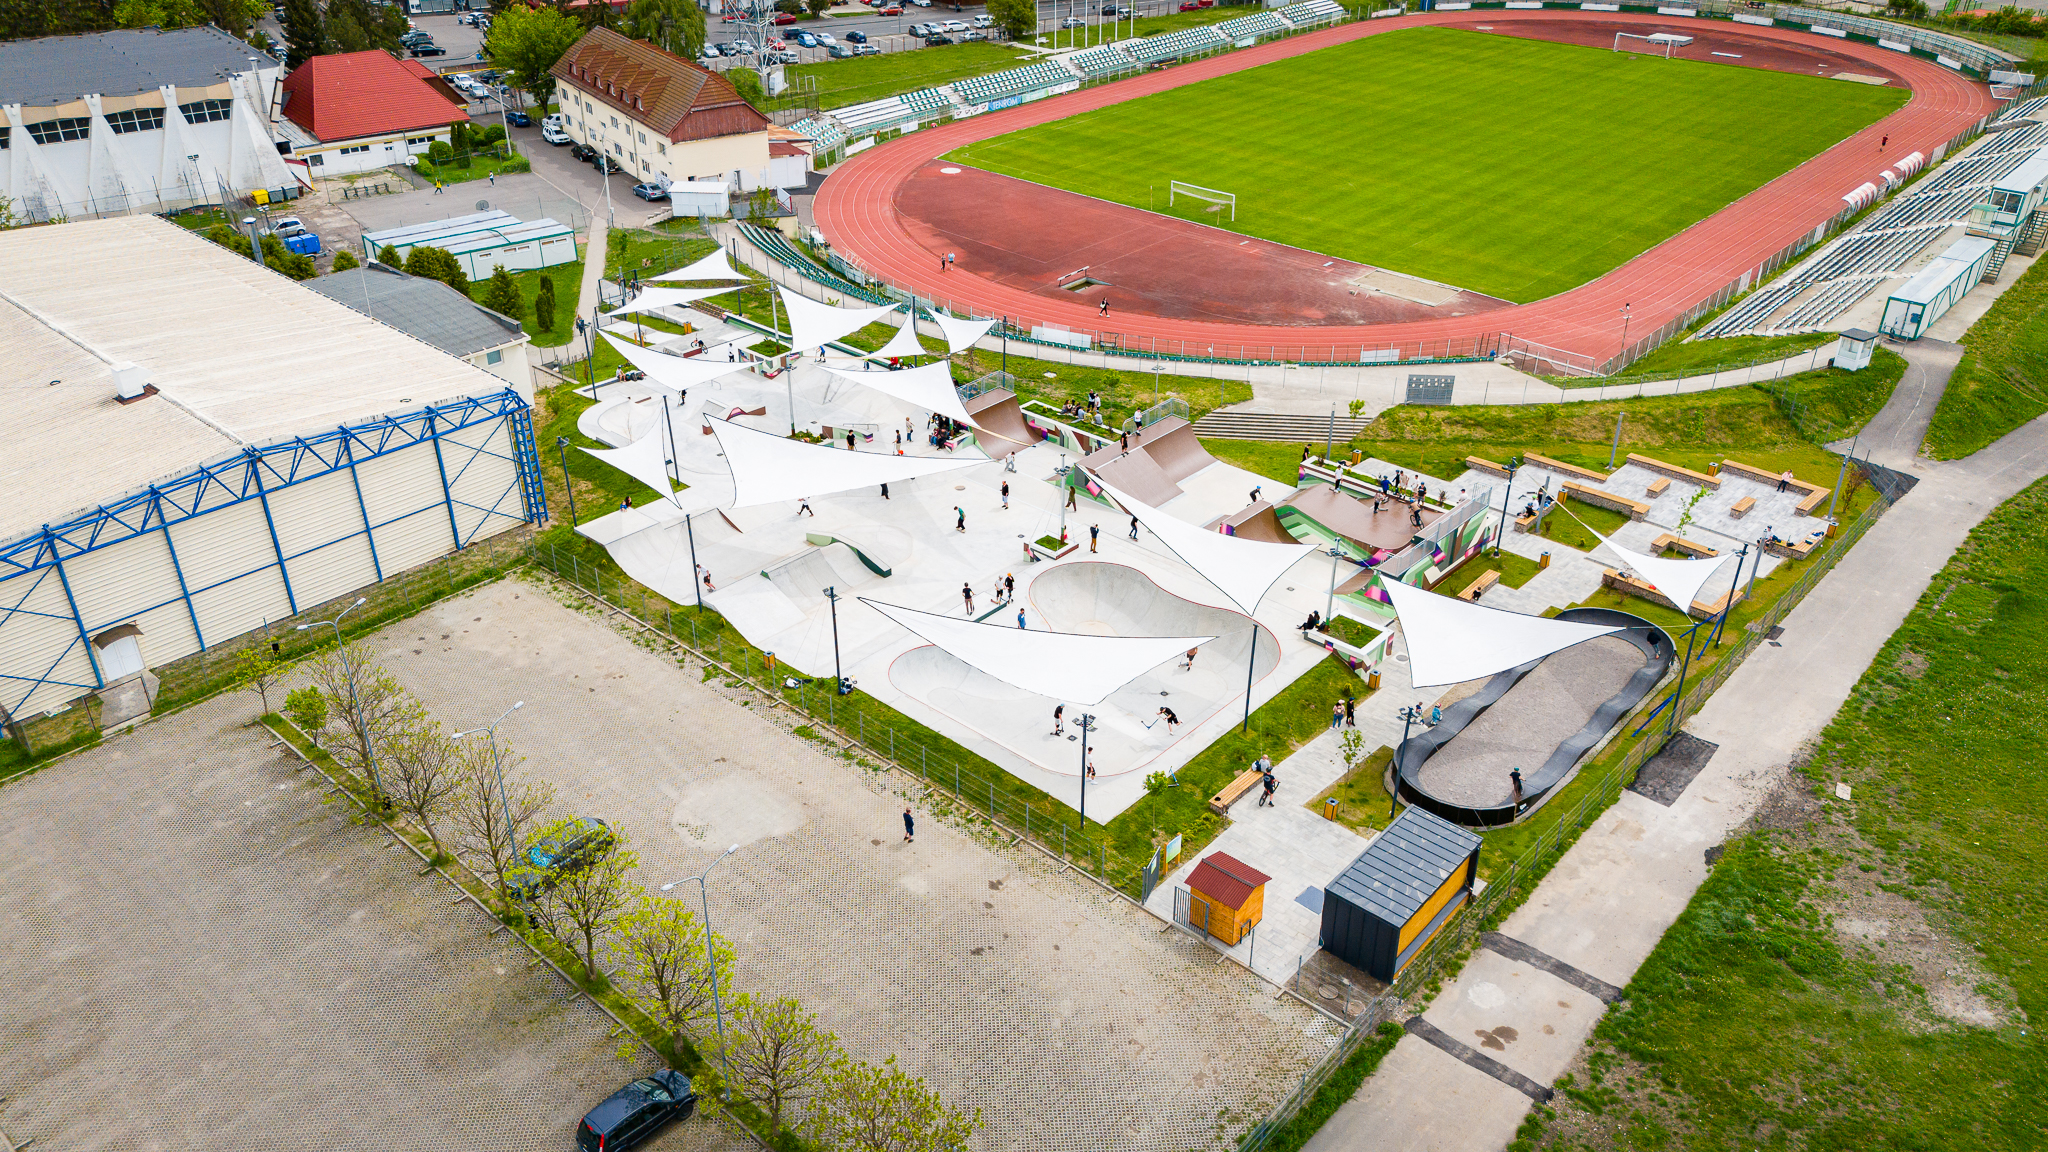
x: 856, y: 208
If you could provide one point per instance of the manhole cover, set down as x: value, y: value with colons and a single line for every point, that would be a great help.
x: 1402, y: 658
x: 1327, y: 992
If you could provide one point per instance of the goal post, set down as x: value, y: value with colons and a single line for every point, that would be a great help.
x: 1219, y: 199
x: 1666, y: 41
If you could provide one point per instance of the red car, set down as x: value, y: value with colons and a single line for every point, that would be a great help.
x: 893, y: 10
x: 783, y: 18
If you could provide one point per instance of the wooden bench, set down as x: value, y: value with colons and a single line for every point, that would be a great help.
x: 1674, y: 472
x: 1658, y: 486
x: 1633, y: 509
x: 1812, y: 495
x: 1235, y: 790
x: 1479, y: 464
x: 1792, y: 551
x: 1566, y: 469
x: 1741, y: 507
x: 1691, y: 548
x: 1525, y: 524
x: 1487, y: 579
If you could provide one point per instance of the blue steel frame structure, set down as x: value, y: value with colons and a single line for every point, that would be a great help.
x: 256, y: 474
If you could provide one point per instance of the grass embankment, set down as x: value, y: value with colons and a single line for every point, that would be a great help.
x: 1762, y: 1019
x: 1699, y: 357
x: 1598, y: 175
x: 1361, y: 794
x: 2002, y: 380
x: 863, y: 78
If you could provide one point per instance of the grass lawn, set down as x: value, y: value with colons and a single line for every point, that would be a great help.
x: 1514, y: 570
x: 1519, y: 198
x: 1698, y: 357
x: 1123, y: 393
x: 2002, y: 380
x: 481, y: 167
x: 1940, y: 743
x: 864, y: 78
x: 1361, y: 794
x: 568, y: 280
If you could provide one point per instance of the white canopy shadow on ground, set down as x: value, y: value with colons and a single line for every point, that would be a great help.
x: 1062, y: 665
x: 1241, y: 569
x: 712, y: 267
x: 769, y: 469
x: 1451, y: 641
x: 1680, y: 580
x: 928, y: 386
x: 651, y: 298
x: 812, y: 324
x: 645, y: 460
x: 961, y: 334
x: 675, y: 373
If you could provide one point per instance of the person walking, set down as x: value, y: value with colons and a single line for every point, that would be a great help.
x: 899, y: 443
x: 1094, y: 530
x: 1104, y: 310
x: 1070, y: 499
x: 493, y: 179
x: 803, y: 508
x: 885, y: 491
x: 1337, y: 715
x: 1020, y: 618
x: 959, y: 518
x: 1188, y: 665
x: 1350, y: 712
x: 1006, y: 493
x: 438, y: 190
x: 1515, y: 787
x: 1058, y: 711
x: 967, y: 594
x: 1134, y: 527
x: 1009, y: 586
x: 909, y: 828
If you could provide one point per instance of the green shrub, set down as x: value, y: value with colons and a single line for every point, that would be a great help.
x: 345, y: 260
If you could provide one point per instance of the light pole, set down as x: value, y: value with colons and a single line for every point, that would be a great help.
x: 1086, y: 721
x: 1729, y: 606
x: 1156, y: 370
x: 355, y: 702
x: 490, y: 732
x: 711, y: 961
x: 1330, y: 608
x: 1506, y: 497
x: 1251, y: 663
x: 1062, y: 474
x: 562, y: 443
x: 1750, y: 591
x: 1842, y: 474
x: 1408, y: 717
x: 838, y: 677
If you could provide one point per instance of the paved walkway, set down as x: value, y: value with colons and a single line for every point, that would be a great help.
x: 1517, y: 1014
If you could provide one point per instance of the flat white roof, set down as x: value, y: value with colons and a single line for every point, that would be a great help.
x: 240, y: 355
x: 2028, y: 176
x: 1961, y: 257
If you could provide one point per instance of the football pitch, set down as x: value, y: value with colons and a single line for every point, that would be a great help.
x: 1517, y: 168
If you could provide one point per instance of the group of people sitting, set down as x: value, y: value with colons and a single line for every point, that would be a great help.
x: 1077, y: 409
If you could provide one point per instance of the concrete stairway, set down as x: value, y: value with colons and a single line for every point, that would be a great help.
x: 1272, y: 426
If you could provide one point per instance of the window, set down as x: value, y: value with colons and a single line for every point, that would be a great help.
x: 207, y: 111
x: 661, y: 149
x: 420, y: 141
x: 493, y: 357
x: 5, y: 133
x: 615, y: 121
x: 354, y: 150
x: 643, y: 137
x: 53, y: 131
x: 315, y: 159
x: 136, y: 120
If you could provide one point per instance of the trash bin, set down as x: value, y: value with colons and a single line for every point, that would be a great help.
x: 1543, y: 561
x: 1372, y: 682
x: 1330, y: 808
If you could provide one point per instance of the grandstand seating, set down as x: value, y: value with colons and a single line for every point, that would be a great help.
x: 2025, y: 108
x: 1312, y: 13
x: 1258, y: 24
x: 1015, y: 81
x: 825, y: 133
x: 1975, y: 170
x: 1173, y: 45
x: 926, y: 100
x: 1830, y: 301
x: 1103, y: 60
x: 875, y: 114
x: 1928, y: 208
x: 1751, y: 312
x: 778, y: 248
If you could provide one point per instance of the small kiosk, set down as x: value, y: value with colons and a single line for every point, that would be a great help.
x: 1406, y: 885
x: 1853, y: 349
x: 1226, y: 897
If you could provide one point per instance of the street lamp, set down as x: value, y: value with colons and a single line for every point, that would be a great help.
x: 490, y: 732
x: 711, y: 961
x: 1086, y: 722
x: 562, y: 443
x: 1330, y: 608
x: 354, y: 697
x: 1505, y: 499
x: 838, y: 677
x: 1409, y: 715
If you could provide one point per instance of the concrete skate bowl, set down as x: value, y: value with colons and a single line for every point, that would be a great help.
x: 1102, y: 600
x: 1565, y: 702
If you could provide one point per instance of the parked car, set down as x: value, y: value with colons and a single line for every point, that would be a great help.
x: 892, y: 9
x: 518, y: 119
x: 843, y: 51
x: 970, y: 36
x: 1073, y: 22
x: 866, y: 50
x: 288, y: 226
x: 605, y: 165
x: 740, y: 48
x: 954, y: 26
x: 856, y: 37
x: 554, y: 135
x: 554, y: 120
x: 632, y: 1115
x: 783, y: 18
x: 825, y: 38
x: 937, y: 40
x: 429, y: 50
x: 565, y: 851
x: 583, y: 152
x: 806, y: 40
x: 650, y: 191
x: 920, y: 29
x: 784, y: 56
x: 984, y: 21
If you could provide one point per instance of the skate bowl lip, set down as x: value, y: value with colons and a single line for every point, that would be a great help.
x: 1650, y: 639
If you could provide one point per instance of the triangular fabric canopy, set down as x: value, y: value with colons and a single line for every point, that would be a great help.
x: 645, y: 460
x: 961, y: 334
x: 1451, y: 641
x: 712, y: 267
x: 903, y: 343
x: 1678, y: 580
x: 812, y: 324
x: 651, y: 298
x: 1240, y: 568
x: 674, y: 372
x: 1062, y: 665
x: 929, y: 386
x: 769, y: 469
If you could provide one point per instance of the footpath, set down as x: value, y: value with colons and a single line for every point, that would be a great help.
x: 1515, y: 1017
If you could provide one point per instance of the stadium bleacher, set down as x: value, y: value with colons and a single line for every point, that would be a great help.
x: 777, y: 247
x: 1258, y: 26
x: 1830, y: 301
x: 1174, y: 45
x: 825, y: 133
x: 1750, y: 312
x: 1102, y: 60
x: 1312, y: 13
x: 927, y: 100
x: 1015, y: 81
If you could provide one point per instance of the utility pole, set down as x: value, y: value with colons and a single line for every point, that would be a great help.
x: 1611, y: 452
x: 1086, y: 721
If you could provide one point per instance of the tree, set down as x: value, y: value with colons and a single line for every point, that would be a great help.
x: 345, y: 33
x: 368, y: 703
x: 345, y: 260
x: 818, y: 7
x: 544, y: 305
x: 285, y: 260
x: 229, y: 238
x: 307, y: 708
x: 501, y: 295
x: 525, y: 42
x: 675, y: 26
x: 304, y: 37
x: 491, y: 826
x: 670, y: 973
x: 778, y: 1054
x: 437, y: 264
x: 584, y: 902
x: 389, y: 257
x: 880, y: 1108
x: 747, y: 83
x: 258, y: 670
x: 1017, y: 18
x: 422, y: 770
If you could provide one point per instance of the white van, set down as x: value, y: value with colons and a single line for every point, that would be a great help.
x: 984, y: 21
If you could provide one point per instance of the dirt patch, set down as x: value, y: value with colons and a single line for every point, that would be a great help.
x: 1912, y: 663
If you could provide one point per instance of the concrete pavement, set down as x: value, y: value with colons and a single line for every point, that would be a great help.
x: 1507, y: 1019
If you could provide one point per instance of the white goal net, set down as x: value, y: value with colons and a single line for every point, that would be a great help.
x: 1217, y: 200
x: 1659, y: 43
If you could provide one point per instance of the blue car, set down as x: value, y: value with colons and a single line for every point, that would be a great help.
x: 519, y: 119
x: 582, y: 840
x: 632, y: 1115
x: 857, y: 37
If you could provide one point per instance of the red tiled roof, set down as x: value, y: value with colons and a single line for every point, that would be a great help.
x: 355, y: 94
x: 784, y: 148
x: 670, y: 95
x: 1226, y: 879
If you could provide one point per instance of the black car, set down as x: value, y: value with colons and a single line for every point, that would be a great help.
x: 936, y: 39
x: 633, y: 1114
x: 605, y: 165
x: 519, y: 119
x: 429, y: 50
x: 581, y: 152
x: 565, y: 851
x: 857, y: 36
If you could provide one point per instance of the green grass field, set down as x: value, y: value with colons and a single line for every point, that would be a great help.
x: 1518, y: 168
x: 863, y: 78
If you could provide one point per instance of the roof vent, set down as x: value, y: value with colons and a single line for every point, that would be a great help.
x: 131, y: 382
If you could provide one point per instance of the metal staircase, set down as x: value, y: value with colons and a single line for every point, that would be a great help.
x: 524, y: 452
x: 2031, y: 233
x: 1997, y: 262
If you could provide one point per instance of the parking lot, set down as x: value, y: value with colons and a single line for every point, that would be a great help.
x: 202, y: 954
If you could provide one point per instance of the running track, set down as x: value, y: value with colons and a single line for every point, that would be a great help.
x: 854, y: 209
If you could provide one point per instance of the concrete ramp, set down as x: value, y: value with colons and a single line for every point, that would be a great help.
x: 1172, y: 445
x: 804, y: 577
x: 865, y: 556
x: 999, y: 424
x: 1135, y: 473
x: 1256, y: 522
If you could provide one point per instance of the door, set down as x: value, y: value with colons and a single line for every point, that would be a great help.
x: 120, y: 652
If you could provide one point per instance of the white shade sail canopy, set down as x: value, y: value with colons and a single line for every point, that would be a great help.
x: 1240, y: 568
x: 651, y: 298
x: 961, y: 334
x: 928, y: 386
x: 675, y: 372
x: 1678, y: 580
x: 1451, y: 641
x: 812, y: 324
x: 712, y: 267
x: 903, y: 343
x: 769, y: 469
x: 1062, y: 665
x: 645, y: 460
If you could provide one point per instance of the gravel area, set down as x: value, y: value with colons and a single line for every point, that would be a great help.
x: 1525, y: 726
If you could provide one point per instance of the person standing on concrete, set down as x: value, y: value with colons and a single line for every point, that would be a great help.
x: 1020, y: 618
x: 1515, y: 786
x: 1172, y: 721
x: 967, y: 594
x: 1070, y: 498
x: 959, y: 518
x: 885, y: 491
x: 1006, y: 493
x: 1058, y: 712
x: 1094, y: 530
x: 803, y: 508
x: 1009, y: 586
x: 909, y: 828
x: 1386, y: 489
x: 1350, y: 712
x: 1188, y: 665
x: 849, y: 440
x: 1134, y: 527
